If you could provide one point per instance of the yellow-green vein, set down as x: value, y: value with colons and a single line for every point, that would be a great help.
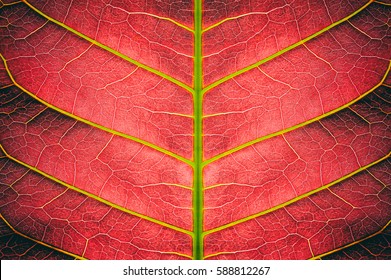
x: 90, y: 123
x: 352, y: 243
x: 279, y: 53
x: 320, y: 255
x: 382, y: 3
x: 93, y: 196
x: 9, y: 4
x: 6, y: 86
x: 162, y: 18
x: 298, y: 198
x: 283, y: 131
x: 232, y: 18
x: 40, y: 242
x: 178, y: 254
x: 111, y: 50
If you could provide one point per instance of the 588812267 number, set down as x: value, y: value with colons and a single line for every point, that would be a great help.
x: 232, y: 270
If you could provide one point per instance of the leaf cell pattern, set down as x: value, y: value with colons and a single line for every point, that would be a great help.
x: 195, y: 129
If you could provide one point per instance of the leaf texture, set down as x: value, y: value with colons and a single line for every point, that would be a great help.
x: 15, y: 246
x: 195, y: 129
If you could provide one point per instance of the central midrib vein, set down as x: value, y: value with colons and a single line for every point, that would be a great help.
x: 198, y: 201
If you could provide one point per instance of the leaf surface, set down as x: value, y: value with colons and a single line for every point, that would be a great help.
x: 195, y: 129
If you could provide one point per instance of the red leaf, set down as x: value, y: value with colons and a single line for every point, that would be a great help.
x: 205, y: 129
x: 15, y: 246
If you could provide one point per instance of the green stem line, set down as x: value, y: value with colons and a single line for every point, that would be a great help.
x: 110, y: 50
x: 198, y: 250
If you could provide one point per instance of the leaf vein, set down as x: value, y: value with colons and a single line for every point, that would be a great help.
x: 298, y: 198
x: 39, y: 241
x: 95, y: 125
x: 93, y: 196
x: 111, y: 50
x: 283, y: 131
x: 279, y: 53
